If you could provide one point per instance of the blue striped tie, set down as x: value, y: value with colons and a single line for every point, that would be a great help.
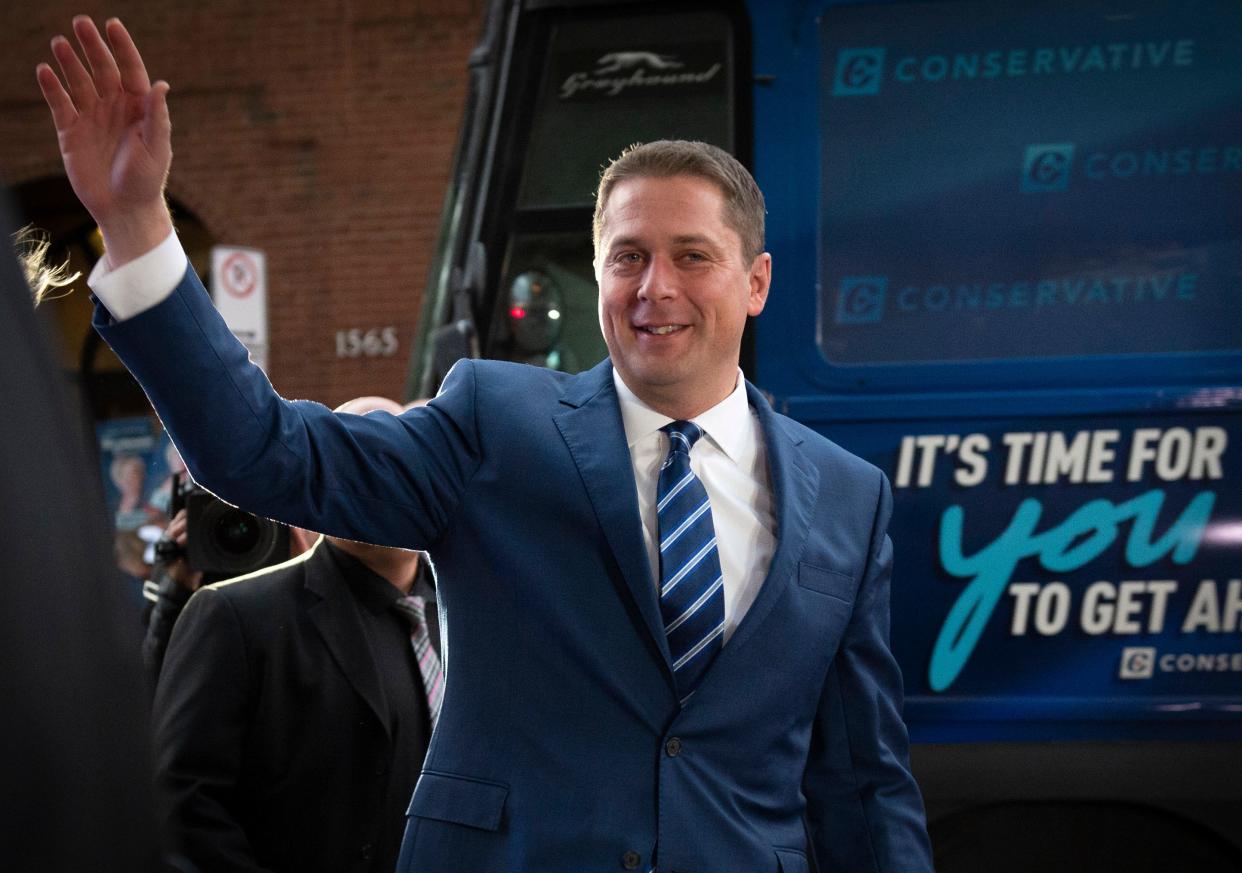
x: 691, y: 584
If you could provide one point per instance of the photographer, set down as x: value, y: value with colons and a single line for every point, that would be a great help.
x: 236, y: 543
x: 169, y: 588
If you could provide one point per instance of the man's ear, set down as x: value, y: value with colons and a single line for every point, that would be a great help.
x: 760, y: 282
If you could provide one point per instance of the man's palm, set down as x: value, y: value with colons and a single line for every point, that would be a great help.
x: 115, y: 136
x: 108, y: 161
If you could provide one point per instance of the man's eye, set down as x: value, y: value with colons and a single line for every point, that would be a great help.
x: 628, y: 258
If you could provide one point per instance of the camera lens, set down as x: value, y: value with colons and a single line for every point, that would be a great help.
x: 226, y: 542
x: 237, y: 532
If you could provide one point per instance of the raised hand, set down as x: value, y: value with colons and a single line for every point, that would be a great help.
x: 115, y: 136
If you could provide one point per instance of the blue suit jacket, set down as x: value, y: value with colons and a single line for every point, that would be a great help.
x: 554, y: 749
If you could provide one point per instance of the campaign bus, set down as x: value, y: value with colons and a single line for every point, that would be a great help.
x: 1007, y: 244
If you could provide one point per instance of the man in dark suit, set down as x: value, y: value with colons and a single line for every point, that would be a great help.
x: 292, y: 713
x: 667, y: 605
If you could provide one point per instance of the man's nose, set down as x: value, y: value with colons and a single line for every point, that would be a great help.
x: 660, y: 281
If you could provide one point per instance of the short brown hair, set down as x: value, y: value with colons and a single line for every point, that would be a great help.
x: 743, y: 201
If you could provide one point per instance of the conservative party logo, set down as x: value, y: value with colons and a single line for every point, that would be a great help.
x: 1138, y: 662
x: 859, y: 72
x: 1047, y: 167
x: 861, y: 299
x: 1143, y: 662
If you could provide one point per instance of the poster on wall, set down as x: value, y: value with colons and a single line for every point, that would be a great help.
x: 136, y: 463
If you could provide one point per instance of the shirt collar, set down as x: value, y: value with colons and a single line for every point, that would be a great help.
x: 374, y: 591
x: 726, y: 424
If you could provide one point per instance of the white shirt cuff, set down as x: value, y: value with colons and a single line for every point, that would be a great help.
x: 143, y: 282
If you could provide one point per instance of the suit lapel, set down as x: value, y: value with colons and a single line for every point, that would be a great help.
x: 795, y: 488
x: 334, y: 612
x: 592, y: 428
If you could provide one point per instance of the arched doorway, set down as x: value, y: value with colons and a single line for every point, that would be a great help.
x: 50, y: 205
x: 132, y: 454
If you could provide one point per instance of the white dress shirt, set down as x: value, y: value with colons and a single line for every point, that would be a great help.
x: 731, y: 462
x: 143, y: 282
x: 730, y: 459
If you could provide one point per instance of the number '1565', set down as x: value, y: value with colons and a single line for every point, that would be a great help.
x: 378, y: 342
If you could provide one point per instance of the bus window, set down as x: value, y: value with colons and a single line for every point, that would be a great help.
x: 609, y: 82
x: 1092, y: 218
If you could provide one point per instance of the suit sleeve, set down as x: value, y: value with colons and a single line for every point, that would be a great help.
x: 390, y: 480
x: 864, y: 810
x: 201, y: 719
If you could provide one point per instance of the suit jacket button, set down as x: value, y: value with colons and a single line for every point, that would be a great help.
x: 368, y: 852
x: 631, y: 859
x: 673, y: 747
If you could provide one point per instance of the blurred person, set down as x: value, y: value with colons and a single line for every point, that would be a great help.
x: 619, y: 694
x: 75, y: 793
x: 129, y: 554
x: 33, y: 246
x: 294, y: 708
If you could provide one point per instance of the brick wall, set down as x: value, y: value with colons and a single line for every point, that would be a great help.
x: 319, y: 132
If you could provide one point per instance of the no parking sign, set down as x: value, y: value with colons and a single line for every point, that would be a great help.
x: 239, y: 289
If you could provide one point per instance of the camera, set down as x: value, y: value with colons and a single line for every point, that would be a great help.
x: 221, y: 540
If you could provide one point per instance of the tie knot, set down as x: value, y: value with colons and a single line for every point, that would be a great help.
x: 414, y: 609
x: 682, y: 435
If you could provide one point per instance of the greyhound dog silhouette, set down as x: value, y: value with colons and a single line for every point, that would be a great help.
x: 616, y: 61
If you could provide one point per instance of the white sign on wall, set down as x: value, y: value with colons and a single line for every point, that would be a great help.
x: 239, y: 289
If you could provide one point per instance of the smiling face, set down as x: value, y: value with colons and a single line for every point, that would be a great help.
x: 674, y: 291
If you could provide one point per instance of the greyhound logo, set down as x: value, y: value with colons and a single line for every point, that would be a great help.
x: 615, y: 62
x: 636, y: 71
